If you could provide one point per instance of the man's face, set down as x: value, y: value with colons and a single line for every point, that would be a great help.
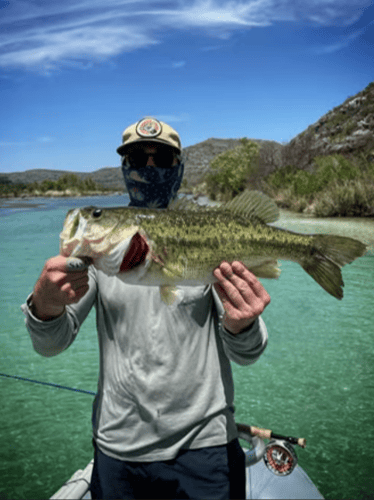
x: 152, y: 155
x: 152, y: 172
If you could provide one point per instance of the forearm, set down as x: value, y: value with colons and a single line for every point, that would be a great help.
x: 44, y: 312
x: 50, y: 336
x: 246, y: 347
x: 52, y: 333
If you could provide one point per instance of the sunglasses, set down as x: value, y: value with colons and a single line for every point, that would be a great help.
x: 163, y: 157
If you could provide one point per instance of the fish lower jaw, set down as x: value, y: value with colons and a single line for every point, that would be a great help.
x: 129, y: 253
x: 110, y: 264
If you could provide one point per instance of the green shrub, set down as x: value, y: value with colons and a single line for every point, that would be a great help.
x: 334, y: 168
x: 337, y: 186
x: 89, y: 184
x: 46, y: 185
x: 351, y: 199
x: 304, y: 183
x: 282, y: 177
x: 69, y: 181
x: 230, y: 170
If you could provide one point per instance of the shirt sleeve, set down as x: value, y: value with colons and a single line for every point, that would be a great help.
x: 246, y: 347
x: 51, y: 337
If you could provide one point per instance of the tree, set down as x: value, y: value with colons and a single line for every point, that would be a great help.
x: 5, y: 180
x: 46, y: 185
x: 89, y: 184
x: 67, y: 181
x: 230, y: 170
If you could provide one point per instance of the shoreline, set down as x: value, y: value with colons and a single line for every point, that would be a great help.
x: 31, y: 200
x: 26, y: 200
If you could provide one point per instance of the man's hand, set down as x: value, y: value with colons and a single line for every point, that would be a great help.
x: 59, y: 284
x: 242, y: 295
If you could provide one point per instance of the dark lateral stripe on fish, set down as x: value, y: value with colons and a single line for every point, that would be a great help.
x: 136, y: 253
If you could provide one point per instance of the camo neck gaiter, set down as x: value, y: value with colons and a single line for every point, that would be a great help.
x: 150, y: 186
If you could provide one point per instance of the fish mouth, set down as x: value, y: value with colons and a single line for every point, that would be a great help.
x: 136, y: 253
x: 72, y: 230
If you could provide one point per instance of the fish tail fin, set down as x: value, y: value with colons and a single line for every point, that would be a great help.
x: 330, y: 253
x: 326, y: 273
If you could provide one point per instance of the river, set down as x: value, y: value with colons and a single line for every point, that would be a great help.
x: 315, y: 379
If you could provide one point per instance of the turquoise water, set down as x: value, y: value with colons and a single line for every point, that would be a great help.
x: 315, y: 380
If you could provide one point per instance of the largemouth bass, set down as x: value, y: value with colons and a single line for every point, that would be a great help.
x: 182, y: 245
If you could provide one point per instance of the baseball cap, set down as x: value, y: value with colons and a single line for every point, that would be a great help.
x: 149, y: 129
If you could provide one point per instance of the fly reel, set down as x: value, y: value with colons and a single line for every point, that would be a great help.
x: 280, y: 457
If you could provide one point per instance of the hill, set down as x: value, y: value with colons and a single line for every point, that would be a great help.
x: 347, y: 129
x: 108, y: 177
x: 200, y: 155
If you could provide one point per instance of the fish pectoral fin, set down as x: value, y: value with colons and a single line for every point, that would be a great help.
x: 169, y: 294
x: 268, y: 269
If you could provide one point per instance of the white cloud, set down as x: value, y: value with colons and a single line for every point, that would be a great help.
x: 52, y: 46
x: 210, y: 13
x: 47, y: 35
x: 341, y: 43
x: 335, y: 47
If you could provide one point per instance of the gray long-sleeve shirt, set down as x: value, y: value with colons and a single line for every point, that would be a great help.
x: 165, y: 379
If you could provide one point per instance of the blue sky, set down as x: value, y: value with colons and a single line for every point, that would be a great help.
x: 74, y: 74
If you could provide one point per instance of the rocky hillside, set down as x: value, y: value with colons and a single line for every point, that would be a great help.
x: 347, y: 129
x: 109, y: 177
x: 199, y: 156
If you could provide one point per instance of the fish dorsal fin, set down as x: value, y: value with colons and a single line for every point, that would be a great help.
x: 254, y: 205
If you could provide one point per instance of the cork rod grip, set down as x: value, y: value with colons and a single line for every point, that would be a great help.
x: 269, y: 434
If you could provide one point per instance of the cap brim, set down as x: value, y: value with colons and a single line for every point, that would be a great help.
x: 122, y: 149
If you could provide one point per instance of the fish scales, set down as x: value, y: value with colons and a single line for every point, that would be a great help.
x: 232, y: 238
x: 183, y: 245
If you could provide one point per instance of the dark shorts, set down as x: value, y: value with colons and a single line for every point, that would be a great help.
x: 208, y: 473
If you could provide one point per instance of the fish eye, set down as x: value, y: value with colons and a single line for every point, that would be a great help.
x: 96, y: 213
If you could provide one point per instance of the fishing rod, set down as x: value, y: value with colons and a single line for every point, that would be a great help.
x: 50, y: 384
x: 250, y: 429
x: 269, y: 434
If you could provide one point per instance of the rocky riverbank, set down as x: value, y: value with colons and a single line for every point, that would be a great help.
x: 59, y: 194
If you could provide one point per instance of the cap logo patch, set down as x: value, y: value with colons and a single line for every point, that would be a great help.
x: 149, y: 127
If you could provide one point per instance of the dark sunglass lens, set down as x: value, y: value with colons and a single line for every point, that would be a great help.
x: 137, y: 159
x: 162, y: 158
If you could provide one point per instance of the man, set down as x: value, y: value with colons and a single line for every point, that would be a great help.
x: 163, y: 422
